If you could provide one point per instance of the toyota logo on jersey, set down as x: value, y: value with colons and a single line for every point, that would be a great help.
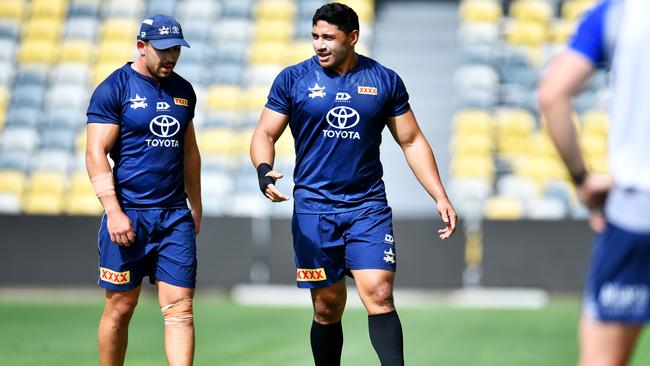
x: 342, y: 117
x: 164, y: 126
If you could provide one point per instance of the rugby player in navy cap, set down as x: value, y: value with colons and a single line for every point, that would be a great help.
x: 141, y: 115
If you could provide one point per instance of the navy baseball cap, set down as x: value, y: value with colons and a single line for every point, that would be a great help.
x: 162, y: 31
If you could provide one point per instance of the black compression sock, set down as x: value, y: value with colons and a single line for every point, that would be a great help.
x: 326, y: 343
x: 386, y: 337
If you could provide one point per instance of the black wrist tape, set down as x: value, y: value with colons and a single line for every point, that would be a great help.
x: 264, y: 179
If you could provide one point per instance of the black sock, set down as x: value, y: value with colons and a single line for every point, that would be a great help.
x: 326, y: 343
x: 386, y: 337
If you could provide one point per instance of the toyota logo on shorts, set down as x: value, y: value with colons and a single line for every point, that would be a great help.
x: 164, y: 126
x: 342, y: 117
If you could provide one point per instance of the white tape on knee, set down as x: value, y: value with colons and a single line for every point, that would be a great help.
x: 178, y: 313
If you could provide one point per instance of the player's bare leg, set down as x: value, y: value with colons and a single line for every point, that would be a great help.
x: 375, y: 288
x: 606, y: 344
x: 326, y: 332
x: 176, y: 303
x: 113, y: 332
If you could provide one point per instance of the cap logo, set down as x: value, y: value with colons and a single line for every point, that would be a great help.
x: 143, y: 34
x: 148, y: 21
x: 175, y: 30
x: 163, y: 30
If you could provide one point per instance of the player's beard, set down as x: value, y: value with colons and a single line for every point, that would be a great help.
x: 337, y: 57
x: 158, y: 72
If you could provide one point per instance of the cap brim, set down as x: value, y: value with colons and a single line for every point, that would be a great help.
x: 165, y: 43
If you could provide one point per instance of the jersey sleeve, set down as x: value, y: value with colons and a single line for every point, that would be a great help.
x: 279, y: 98
x: 105, y: 106
x: 192, y: 103
x: 399, y: 102
x: 589, y: 39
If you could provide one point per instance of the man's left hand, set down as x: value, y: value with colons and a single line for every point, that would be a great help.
x: 449, y: 217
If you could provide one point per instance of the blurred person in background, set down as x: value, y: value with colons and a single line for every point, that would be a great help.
x: 336, y: 104
x: 141, y: 115
x: 616, y: 35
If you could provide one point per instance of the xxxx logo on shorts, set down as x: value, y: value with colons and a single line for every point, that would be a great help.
x: 117, y: 278
x: 317, y: 274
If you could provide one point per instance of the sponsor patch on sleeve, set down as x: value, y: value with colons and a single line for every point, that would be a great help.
x: 368, y: 90
x: 181, y: 101
x: 117, y: 278
x: 308, y: 275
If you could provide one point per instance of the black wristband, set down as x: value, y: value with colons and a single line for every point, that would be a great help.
x: 262, y: 170
x: 579, y: 178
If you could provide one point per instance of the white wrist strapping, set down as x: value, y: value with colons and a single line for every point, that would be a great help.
x: 103, y: 184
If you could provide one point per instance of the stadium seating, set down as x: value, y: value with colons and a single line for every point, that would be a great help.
x: 56, y: 51
x: 498, y: 137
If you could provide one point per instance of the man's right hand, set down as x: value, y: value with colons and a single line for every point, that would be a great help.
x: 593, y: 191
x: 272, y: 191
x: 120, y: 229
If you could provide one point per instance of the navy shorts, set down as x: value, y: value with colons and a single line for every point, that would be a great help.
x: 328, y: 245
x: 618, y: 284
x: 164, y: 250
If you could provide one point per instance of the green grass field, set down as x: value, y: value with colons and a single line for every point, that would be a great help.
x: 63, y: 333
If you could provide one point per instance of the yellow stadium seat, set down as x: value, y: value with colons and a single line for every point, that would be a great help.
x: 80, y: 184
x: 48, y: 8
x: 270, y: 53
x: 274, y: 31
x: 513, y: 121
x: 595, y: 122
x: 12, y: 9
x: 525, y: 33
x: 116, y: 51
x: 48, y: 183
x: 217, y: 141
x: 83, y: 204
x: 541, y: 146
x: 225, y: 97
x: 302, y: 50
x: 101, y: 70
x: 43, y: 204
x: 593, y: 146
x: 561, y: 31
x: 80, y: 142
x: 12, y: 181
x: 4, y: 98
x: 573, y: 9
x: 243, y: 142
x: 503, y: 208
x: 513, y: 146
x: 37, y: 52
x: 471, y: 145
x: 46, y: 29
x: 284, y: 147
x: 256, y: 98
x: 542, y: 169
x: 598, y: 165
x: 480, y: 11
x: 538, y: 11
x: 77, y: 50
x: 275, y: 10
x: 119, y: 29
x: 473, y: 121
x: 472, y: 167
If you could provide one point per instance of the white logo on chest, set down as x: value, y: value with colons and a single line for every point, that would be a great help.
x: 316, y: 91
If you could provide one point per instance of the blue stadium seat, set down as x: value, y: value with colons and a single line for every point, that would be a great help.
x: 167, y: 7
x: 26, y: 95
x: 31, y: 75
x: 197, y: 31
x: 23, y: 116
x: 227, y: 73
x: 81, y: 27
x: 73, y: 119
x: 59, y: 139
x: 9, y: 28
x: 123, y: 9
x: 193, y: 10
x: 15, y: 160
x: 237, y: 8
x: 73, y: 73
x: 51, y: 160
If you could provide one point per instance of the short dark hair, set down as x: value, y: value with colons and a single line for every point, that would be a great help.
x: 339, y: 15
